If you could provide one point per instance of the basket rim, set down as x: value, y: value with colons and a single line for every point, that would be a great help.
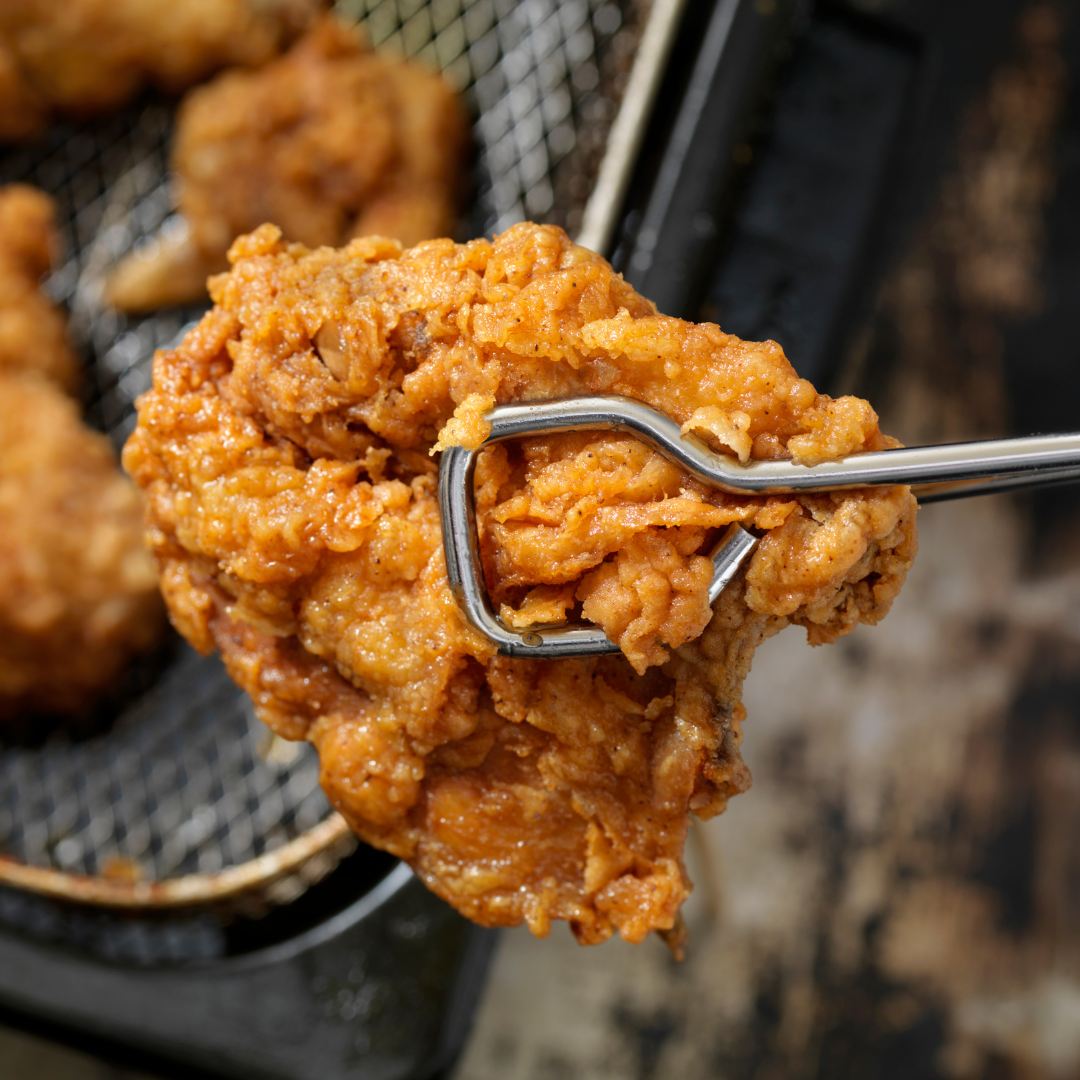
x: 188, y: 890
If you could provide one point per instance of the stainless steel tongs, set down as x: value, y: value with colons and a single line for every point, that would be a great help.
x: 944, y: 472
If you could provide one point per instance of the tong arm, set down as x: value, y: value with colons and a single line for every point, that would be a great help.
x: 1035, y: 457
x: 950, y: 471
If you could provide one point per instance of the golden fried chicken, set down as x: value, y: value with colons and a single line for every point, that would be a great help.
x: 284, y: 453
x: 23, y: 114
x: 80, y: 57
x: 78, y: 592
x: 328, y: 142
x: 33, y: 334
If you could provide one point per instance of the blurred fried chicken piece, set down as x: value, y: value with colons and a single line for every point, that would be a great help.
x: 292, y: 509
x: 23, y: 114
x: 78, y: 592
x: 80, y: 57
x: 33, y: 334
x: 328, y: 142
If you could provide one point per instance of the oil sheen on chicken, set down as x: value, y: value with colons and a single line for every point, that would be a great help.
x: 285, y: 452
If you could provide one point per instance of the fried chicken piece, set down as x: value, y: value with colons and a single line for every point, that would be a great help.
x: 23, y: 114
x: 292, y: 510
x: 33, y: 334
x: 78, y: 591
x: 328, y: 142
x: 81, y: 57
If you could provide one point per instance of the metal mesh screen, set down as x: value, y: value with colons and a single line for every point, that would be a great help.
x: 186, y: 779
x: 545, y: 78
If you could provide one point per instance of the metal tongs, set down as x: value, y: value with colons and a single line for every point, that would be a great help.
x: 952, y: 471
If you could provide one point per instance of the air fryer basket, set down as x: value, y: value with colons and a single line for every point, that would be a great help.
x: 186, y: 798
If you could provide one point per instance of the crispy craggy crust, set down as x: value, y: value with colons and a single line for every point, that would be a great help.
x: 284, y: 455
x: 330, y: 141
x: 81, y: 57
x: 78, y: 592
x: 33, y: 334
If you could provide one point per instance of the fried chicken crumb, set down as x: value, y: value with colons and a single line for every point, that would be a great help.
x: 292, y: 510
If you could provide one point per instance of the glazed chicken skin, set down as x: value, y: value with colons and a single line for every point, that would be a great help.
x: 33, y: 334
x: 82, y: 57
x: 328, y: 142
x: 286, y: 456
x: 78, y: 591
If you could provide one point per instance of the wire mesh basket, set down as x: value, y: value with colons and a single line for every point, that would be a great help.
x: 187, y: 799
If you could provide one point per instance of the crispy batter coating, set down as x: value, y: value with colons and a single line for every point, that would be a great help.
x: 33, y: 334
x: 78, y: 592
x: 328, y: 142
x: 81, y: 57
x: 292, y: 510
